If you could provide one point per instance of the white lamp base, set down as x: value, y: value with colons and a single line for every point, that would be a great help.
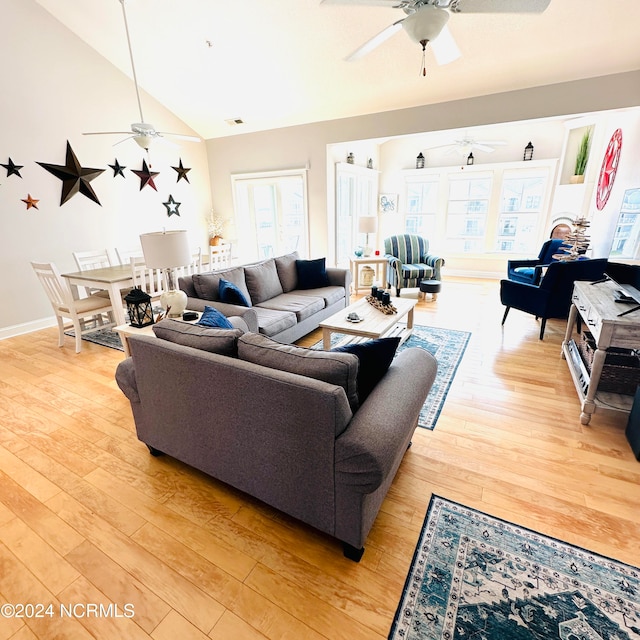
x: 367, y: 251
x: 175, y: 302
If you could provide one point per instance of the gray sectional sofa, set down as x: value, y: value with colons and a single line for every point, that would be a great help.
x: 279, y: 307
x: 282, y: 423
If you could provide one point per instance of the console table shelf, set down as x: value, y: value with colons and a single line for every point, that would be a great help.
x: 596, y: 305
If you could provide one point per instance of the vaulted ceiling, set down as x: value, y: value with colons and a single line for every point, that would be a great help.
x: 276, y: 63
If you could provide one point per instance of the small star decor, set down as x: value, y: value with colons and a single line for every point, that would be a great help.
x: 182, y: 172
x: 172, y: 207
x: 13, y: 169
x: 146, y: 176
x: 30, y: 202
x: 75, y: 178
x: 118, y: 169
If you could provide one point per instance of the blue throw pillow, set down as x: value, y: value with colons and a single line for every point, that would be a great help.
x: 375, y: 358
x: 312, y: 274
x: 213, y: 318
x: 231, y: 294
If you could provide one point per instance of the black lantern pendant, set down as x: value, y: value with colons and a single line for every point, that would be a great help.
x: 139, y: 308
x: 470, y: 158
x: 528, y: 152
x: 420, y: 161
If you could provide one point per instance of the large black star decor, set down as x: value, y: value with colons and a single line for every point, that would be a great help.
x: 182, y: 172
x: 118, y: 169
x: 146, y: 176
x: 14, y: 169
x: 172, y: 207
x: 75, y: 178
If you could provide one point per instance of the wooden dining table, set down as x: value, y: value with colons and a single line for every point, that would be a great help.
x: 111, y: 279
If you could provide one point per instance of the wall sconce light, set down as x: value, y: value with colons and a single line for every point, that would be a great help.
x: 528, y: 152
x: 470, y: 158
x: 420, y: 161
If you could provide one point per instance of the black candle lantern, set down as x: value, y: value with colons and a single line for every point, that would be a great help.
x: 528, y: 152
x: 420, y: 161
x: 139, y: 308
x: 470, y: 158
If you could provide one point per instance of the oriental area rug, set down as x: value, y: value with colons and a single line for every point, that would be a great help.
x: 474, y: 576
x: 448, y: 347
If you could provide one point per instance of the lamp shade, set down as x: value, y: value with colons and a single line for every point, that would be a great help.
x: 425, y: 23
x: 368, y: 224
x: 165, y: 249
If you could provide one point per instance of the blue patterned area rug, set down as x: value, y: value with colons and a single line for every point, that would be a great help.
x: 475, y: 577
x: 104, y: 337
x: 448, y: 347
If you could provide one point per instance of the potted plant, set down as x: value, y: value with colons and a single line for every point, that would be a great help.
x: 581, y: 158
x: 216, y: 227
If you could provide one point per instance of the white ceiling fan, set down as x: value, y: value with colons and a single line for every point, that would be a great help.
x: 426, y: 22
x: 467, y: 144
x: 142, y: 132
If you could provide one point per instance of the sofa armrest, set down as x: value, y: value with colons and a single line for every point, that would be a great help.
x: 339, y: 277
x: 126, y: 380
x: 248, y: 314
x: 380, y: 431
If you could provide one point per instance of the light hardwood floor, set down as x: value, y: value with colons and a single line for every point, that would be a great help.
x: 88, y: 516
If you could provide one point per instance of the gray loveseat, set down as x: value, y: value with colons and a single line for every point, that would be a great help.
x: 279, y: 307
x: 302, y: 444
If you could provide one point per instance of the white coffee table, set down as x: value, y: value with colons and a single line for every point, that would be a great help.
x: 375, y: 324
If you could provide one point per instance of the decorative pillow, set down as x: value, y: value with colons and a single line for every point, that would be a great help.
x: 213, y: 318
x: 221, y: 341
x: 262, y: 281
x: 286, y: 267
x: 231, y: 294
x: 375, y: 358
x: 335, y: 368
x: 206, y: 284
x: 312, y: 274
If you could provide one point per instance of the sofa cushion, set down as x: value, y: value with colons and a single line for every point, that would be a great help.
x: 375, y: 358
x: 206, y: 285
x: 335, y: 368
x: 312, y: 273
x: 221, y: 341
x: 302, y: 306
x: 272, y: 322
x: 231, y: 294
x: 262, y: 281
x: 286, y: 267
x: 213, y: 318
x: 330, y: 294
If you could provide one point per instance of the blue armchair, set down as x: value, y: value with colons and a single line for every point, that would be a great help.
x: 552, y: 297
x: 409, y: 261
x: 530, y: 271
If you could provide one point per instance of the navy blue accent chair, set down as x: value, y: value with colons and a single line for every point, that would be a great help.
x: 409, y: 261
x: 530, y: 271
x: 552, y: 297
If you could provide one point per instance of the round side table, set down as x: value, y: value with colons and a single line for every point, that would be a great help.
x: 430, y: 286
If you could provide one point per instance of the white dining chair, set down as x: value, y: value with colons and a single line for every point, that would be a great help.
x: 92, y: 259
x: 124, y: 255
x: 151, y: 281
x: 195, y: 266
x: 64, y: 305
x: 219, y: 256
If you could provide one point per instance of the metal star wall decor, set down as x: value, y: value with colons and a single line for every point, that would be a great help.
x: 118, y: 169
x: 14, y: 169
x: 75, y: 178
x: 30, y: 202
x: 172, y: 207
x: 146, y: 176
x: 182, y: 172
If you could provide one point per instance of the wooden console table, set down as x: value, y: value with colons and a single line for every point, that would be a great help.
x: 600, y: 313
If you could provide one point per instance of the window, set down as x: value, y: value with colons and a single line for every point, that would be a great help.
x: 422, y: 205
x: 467, y: 210
x: 273, y: 206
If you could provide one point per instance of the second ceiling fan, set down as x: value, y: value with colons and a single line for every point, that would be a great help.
x: 425, y: 22
x: 142, y: 132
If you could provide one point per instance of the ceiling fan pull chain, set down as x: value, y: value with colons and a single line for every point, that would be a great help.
x: 424, y: 65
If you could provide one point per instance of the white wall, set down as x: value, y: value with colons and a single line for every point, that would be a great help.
x: 54, y: 88
x: 309, y: 144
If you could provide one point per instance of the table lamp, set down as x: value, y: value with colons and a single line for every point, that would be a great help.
x: 367, y: 225
x: 167, y: 250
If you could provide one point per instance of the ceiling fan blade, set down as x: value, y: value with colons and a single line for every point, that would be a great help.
x: 115, y: 144
x: 180, y: 136
x: 445, y: 49
x: 370, y: 3
x: 495, y: 143
x: 106, y: 133
x: 482, y: 147
x: 500, y: 6
x: 375, y: 42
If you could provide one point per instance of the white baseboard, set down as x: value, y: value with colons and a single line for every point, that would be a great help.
x: 27, y: 327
